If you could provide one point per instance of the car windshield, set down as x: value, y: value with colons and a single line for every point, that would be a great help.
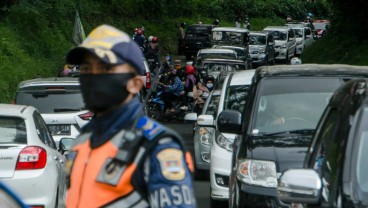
x: 319, y: 26
x: 217, y: 54
x: 298, y: 33
x: 228, y: 37
x: 13, y: 130
x: 286, y: 104
x: 257, y: 40
x: 235, y: 97
x: 199, y: 31
x: 278, y: 35
x: 51, y: 102
x: 361, y: 167
x: 218, y: 67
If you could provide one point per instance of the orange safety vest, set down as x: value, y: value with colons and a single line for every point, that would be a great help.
x: 91, y: 185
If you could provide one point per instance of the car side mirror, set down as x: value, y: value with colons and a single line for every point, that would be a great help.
x: 205, y: 120
x: 191, y: 117
x: 229, y: 121
x: 300, y: 186
x: 65, y: 144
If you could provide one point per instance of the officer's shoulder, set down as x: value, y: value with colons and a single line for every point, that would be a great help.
x: 151, y: 128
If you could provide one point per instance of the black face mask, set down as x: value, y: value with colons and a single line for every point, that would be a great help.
x: 104, y: 91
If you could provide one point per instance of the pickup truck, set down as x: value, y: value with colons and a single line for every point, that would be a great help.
x: 197, y: 36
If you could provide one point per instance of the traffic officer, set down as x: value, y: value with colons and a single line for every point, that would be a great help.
x: 122, y: 158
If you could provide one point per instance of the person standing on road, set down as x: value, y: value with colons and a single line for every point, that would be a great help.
x: 238, y: 23
x: 180, y: 36
x: 122, y: 158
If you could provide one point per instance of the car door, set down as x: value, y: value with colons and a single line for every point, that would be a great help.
x: 46, y: 138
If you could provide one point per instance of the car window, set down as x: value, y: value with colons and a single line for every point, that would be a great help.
x: 279, y: 35
x: 51, y: 101
x: 43, y: 131
x: 218, y: 67
x: 257, y: 40
x: 362, y: 167
x: 199, y: 31
x: 300, y: 101
x: 12, y: 130
x: 328, y: 132
x: 298, y: 33
x: 228, y: 37
x: 235, y: 97
x: 212, y: 106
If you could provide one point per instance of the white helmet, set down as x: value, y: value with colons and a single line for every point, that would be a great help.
x: 295, y: 61
x: 150, y: 38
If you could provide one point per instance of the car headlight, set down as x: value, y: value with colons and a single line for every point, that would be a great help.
x: 257, y: 172
x: 224, y: 143
x: 299, y: 42
x: 205, y: 136
x: 283, y: 46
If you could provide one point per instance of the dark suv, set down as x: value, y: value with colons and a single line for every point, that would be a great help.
x: 197, y: 37
x: 284, y: 105
x: 335, y: 171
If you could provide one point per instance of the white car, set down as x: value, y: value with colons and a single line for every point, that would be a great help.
x: 304, y: 37
x: 29, y: 160
x: 233, y: 97
x: 285, y: 43
x: 60, y: 102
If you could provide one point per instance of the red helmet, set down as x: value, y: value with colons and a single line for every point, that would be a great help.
x: 139, y: 32
x: 189, y: 69
x: 154, y: 39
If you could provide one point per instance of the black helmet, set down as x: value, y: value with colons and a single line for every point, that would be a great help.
x: 183, y: 24
x: 216, y: 22
x: 210, y: 78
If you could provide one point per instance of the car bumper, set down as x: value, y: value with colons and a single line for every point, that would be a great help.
x: 280, y: 54
x: 220, y: 169
x: 264, y: 196
x: 299, y: 49
x: 36, y: 187
x: 259, y: 59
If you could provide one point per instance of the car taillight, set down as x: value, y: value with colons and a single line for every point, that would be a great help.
x: 31, y: 157
x: 148, y: 80
x: 86, y: 116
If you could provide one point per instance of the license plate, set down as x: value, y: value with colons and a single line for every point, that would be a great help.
x: 60, y: 129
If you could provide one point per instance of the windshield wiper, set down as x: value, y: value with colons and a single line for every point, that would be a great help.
x: 67, y: 109
x: 297, y: 131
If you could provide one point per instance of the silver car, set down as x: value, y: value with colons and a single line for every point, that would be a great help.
x: 30, y: 163
x: 60, y: 102
x: 202, y: 135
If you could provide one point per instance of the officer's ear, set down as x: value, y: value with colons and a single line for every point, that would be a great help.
x: 135, y: 84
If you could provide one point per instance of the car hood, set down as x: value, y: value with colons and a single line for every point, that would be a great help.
x: 257, y: 47
x: 286, y: 151
x: 280, y: 42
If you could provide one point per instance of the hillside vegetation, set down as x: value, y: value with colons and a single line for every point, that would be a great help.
x: 36, y: 34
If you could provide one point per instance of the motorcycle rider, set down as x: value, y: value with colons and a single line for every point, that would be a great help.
x: 190, y: 82
x: 210, y: 82
x: 152, y: 52
x: 139, y: 39
x: 172, y: 91
x: 198, y: 91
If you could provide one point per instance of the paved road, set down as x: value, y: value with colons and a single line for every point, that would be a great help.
x: 201, y: 188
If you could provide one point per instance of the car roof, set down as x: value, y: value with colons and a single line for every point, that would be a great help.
x: 13, y: 110
x: 50, y: 81
x: 229, y: 29
x: 242, y: 77
x: 263, y: 33
x: 228, y: 47
x: 223, y: 60
x: 216, y: 92
x: 311, y: 70
x: 277, y: 28
x: 215, y: 50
